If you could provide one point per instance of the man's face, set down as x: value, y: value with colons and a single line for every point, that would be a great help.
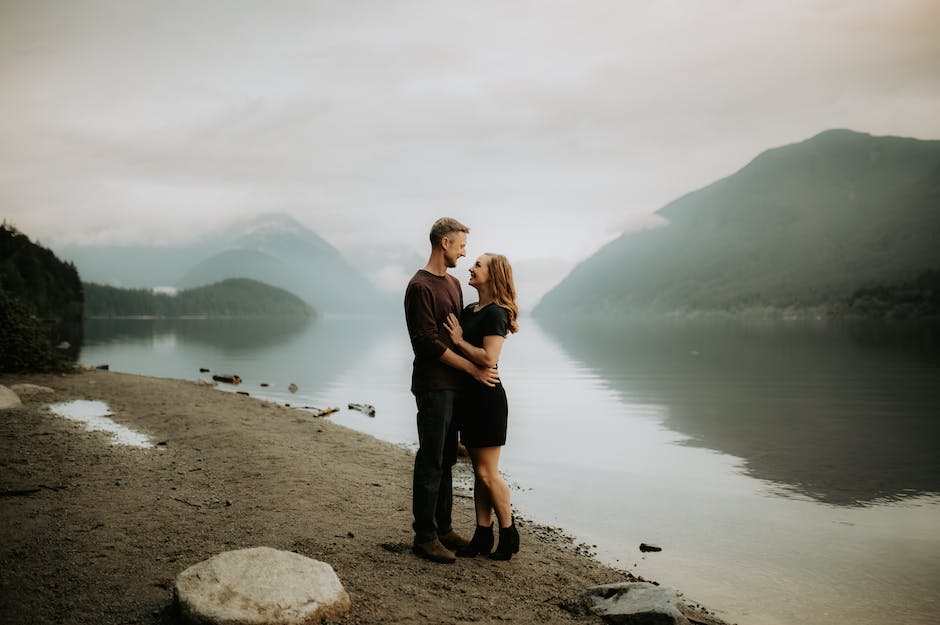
x: 455, y: 246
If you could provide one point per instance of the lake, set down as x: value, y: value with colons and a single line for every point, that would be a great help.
x: 789, y: 471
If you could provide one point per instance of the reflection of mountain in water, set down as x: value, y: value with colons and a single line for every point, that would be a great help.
x: 227, y: 334
x: 310, y: 352
x: 847, y: 416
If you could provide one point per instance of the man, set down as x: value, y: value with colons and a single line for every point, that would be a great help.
x: 431, y: 295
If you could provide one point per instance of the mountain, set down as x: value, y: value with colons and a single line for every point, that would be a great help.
x: 232, y: 298
x: 273, y: 249
x: 801, y: 226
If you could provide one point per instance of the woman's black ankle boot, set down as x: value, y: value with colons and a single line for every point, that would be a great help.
x: 508, y: 543
x: 481, y: 543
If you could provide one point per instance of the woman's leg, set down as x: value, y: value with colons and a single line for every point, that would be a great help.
x: 486, y: 474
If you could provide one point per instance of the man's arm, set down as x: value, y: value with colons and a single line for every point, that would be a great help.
x: 487, y: 376
x: 422, y: 327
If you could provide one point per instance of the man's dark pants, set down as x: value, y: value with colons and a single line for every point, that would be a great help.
x: 437, y: 453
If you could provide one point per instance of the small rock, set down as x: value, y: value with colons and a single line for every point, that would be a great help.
x: 636, y: 603
x: 645, y: 547
x: 203, y: 370
x: 265, y: 385
x: 292, y: 387
x: 259, y: 586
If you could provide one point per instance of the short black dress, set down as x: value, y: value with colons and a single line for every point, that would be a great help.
x: 481, y: 411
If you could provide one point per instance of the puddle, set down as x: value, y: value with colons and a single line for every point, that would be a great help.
x: 94, y: 415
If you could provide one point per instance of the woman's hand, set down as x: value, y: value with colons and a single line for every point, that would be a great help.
x: 452, y: 325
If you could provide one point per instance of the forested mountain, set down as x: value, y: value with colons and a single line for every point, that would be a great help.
x: 273, y: 249
x: 40, y: 304
x: 804, y: 226
x: 232, y: 298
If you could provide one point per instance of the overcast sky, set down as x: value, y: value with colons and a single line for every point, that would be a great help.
x: 547, y: 127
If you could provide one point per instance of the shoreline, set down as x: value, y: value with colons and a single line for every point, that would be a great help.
x: 105, y: 529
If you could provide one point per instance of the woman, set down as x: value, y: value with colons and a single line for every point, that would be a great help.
x: 481, y: 412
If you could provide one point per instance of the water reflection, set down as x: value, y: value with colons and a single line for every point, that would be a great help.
x: 310, y: 353
x: 227, y: 334
x: 845, y: 415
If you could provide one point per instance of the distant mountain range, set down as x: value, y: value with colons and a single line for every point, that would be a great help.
x: 272, y: 249
x: 802, y: 226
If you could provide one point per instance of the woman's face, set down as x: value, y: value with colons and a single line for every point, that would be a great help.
x: 480, y: 273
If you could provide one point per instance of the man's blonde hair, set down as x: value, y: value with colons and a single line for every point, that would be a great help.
x: 444, y: 226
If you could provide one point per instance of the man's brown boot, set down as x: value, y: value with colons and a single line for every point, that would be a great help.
x: 454, y: 541
x: 434, y: 551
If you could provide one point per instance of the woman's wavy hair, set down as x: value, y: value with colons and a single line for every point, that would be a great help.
x: 504, y: 289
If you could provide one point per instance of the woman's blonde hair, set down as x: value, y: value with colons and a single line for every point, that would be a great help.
x: 504, y: 289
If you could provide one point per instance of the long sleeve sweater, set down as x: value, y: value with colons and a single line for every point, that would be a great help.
x: 428, y: 300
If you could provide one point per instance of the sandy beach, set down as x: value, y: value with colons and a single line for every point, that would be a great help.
x: 94, y: 532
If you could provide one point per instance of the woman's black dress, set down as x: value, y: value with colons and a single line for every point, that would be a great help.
x: 481, y: 411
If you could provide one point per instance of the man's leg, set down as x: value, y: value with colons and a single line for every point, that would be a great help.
x: 445, y: 492
x: 435, y: 416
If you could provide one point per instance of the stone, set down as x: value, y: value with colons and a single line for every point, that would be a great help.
x: 636, y: 603
x: 9, y: 399
x: 260, y: 586
x: 30, y: 390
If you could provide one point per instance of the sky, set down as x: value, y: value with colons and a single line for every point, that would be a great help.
x: 549, y: 128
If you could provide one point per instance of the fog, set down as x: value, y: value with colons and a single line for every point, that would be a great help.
x: 548, y: 128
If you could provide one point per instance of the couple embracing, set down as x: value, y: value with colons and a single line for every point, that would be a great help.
x: 457, y: 389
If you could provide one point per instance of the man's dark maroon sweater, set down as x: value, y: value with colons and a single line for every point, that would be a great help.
x: 428, y: 300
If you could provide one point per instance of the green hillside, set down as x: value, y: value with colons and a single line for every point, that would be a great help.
x: 40, y: 305
x: 801, y: 227
x: 233, y: 298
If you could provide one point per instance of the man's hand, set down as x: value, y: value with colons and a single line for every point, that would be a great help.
x: 488, y: 376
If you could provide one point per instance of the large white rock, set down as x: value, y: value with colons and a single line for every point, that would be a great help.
x: 260, y: 586
x: 8, y: 399
x: 636, y: 603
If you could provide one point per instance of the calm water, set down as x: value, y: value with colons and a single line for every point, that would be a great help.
x: 790, y: 472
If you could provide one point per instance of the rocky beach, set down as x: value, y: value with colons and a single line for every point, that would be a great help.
x: 97, y: 532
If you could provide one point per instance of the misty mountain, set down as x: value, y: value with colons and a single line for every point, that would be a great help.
x: 273, y: 249
x: 801, y: 226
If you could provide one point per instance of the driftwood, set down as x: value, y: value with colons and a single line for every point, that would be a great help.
x: 366, y: 408
x: 228, y: 378
x: 324, y: 411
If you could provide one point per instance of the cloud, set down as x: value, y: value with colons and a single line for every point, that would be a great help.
x: 546, y: 128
